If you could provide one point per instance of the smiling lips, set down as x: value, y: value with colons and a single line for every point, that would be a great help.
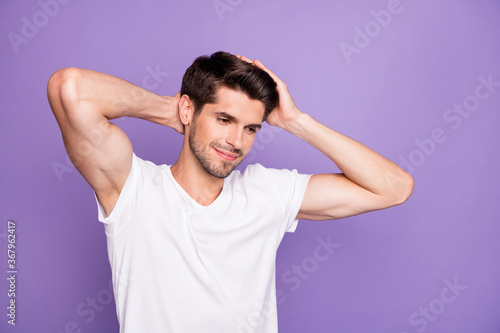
x: 226, y: 155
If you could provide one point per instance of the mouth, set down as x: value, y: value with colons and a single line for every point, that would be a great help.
x: 226, y: 155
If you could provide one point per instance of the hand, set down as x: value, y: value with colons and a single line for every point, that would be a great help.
x: 172, y: 117
x: 286, y: 111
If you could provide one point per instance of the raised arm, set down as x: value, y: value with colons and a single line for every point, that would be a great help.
x: 83, y: 101
x: 368, y: 180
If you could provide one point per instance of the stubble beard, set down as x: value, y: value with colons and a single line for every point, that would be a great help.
x: 203, y: 156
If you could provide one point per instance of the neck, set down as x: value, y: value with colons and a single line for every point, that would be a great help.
x: 190, y: 175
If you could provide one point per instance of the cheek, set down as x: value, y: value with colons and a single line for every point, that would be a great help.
x: 249, y: 143
x: 206, y: 133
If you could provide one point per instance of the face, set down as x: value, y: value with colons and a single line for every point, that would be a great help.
x: 223, y: 133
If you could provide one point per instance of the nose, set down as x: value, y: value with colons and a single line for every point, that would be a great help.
x: 235, y: 137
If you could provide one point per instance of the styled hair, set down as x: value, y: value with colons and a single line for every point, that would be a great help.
x: 207, y: 74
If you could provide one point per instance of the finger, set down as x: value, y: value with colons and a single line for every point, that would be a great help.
x: 261, y: 66
x: 242, y: 57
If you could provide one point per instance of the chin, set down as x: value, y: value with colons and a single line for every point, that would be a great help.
x: 224, y: 169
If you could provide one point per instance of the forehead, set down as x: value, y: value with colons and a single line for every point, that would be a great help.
x: 237, y: 104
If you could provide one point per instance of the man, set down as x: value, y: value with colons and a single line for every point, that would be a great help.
x: 192, y: 246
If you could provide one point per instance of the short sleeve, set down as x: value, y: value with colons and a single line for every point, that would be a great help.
x: 291, y: 187
x: 128, y: 197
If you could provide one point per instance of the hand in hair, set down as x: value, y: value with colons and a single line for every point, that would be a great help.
x: 286, y: 112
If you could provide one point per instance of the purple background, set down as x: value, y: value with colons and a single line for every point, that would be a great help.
x: 393, y: 94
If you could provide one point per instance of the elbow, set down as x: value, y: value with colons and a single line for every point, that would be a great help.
x: 404, y: 189
x: 62, y: 88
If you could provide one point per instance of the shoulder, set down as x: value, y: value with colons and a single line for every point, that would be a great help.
x: 144, y: 171
x: 146, y: 165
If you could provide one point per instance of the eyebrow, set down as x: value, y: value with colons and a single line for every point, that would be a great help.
x: 234, y: 119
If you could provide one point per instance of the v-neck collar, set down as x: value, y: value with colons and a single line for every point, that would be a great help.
x: 190, y: 199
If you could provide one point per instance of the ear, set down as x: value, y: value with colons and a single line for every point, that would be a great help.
x: 186, y: 110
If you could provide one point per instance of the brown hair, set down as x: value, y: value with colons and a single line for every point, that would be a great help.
x: 208, y: 73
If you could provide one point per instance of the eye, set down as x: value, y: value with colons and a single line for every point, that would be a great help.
x: 223, y: 121
x: 251, y: 130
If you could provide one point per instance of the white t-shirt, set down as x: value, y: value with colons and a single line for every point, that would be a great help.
x: 179, y: 266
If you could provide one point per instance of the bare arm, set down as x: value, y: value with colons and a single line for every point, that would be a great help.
x: 83, y: 101
x: 368, y: 180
